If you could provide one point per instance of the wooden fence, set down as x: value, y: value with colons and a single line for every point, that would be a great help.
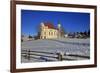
x: 28, y: 54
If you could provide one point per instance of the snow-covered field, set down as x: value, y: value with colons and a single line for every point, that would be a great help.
x: 69, y: 48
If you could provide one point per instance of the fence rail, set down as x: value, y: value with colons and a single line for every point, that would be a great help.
x: 46, y: 56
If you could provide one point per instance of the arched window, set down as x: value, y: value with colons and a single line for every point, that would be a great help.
x: 55, y: 33
x: 44, y: 33
x: 49, y: 33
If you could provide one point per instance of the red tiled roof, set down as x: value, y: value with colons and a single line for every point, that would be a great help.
x: 50, y: 25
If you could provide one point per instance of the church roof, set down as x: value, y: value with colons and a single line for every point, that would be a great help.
x: 50, y: 25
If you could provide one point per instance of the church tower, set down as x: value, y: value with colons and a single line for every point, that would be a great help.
x: 42, y: 24
x: 59, y: 30
x: 41, y: 30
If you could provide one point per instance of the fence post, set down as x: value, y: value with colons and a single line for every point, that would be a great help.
x: 59, y: 56
x: 28, y: 55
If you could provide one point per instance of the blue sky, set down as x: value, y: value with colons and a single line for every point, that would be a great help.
x: 70, y: 21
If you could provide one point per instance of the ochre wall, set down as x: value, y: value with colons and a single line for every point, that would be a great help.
x: 48, y: 33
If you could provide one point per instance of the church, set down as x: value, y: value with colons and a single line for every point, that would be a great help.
x: 49, y: 31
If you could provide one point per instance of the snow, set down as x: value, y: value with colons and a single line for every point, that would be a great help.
x: 64, y: 46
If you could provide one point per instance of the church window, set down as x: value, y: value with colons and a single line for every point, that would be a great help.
x: 44, y: 33
x: 49, y: 33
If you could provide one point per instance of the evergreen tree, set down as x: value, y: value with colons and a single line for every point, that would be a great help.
x: 30, y: 36
x: 88, y: 33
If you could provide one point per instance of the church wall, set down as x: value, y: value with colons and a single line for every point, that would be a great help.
x: 47, y: 33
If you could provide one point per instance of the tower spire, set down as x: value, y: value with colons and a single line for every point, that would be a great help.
x: 59, y: 29
x: 59, y: 25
